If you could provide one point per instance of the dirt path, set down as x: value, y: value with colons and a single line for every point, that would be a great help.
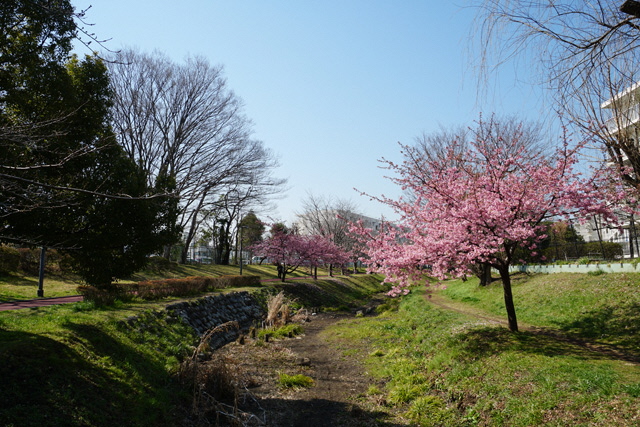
x: 339, y: 380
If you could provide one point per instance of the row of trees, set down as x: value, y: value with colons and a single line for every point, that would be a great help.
x: 290, y: 250
x: 113, y: 160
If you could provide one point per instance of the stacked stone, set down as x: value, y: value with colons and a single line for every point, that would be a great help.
x: 204, y: 314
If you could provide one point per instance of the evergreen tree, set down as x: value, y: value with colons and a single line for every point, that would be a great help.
x: 64, y: 182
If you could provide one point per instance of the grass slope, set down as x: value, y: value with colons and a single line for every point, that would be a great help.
x: 75, y: 365
x: 440, y: 367
x: 574, y: 363
x: 16, y: 286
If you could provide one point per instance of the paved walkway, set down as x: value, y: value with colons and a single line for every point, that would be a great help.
x: 40, y: 302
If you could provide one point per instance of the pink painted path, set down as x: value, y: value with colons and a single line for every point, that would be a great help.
x: 40, y: 302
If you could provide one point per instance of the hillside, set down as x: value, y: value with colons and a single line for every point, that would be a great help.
x: 440, y: 356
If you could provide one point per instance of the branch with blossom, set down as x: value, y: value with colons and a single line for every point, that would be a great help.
x: 477, y: 207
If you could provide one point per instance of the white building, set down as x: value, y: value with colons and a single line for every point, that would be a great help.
x: 623, y: 125
x: 306, y: 224
x: 625, y: 113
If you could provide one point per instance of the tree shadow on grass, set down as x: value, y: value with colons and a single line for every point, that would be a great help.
x: 21, y: 280
x: 487, y: 341
x: 47, y: 382
x: 615, y: 328
x: 51, y: 382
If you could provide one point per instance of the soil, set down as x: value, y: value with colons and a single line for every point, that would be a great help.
x: 337, y: 397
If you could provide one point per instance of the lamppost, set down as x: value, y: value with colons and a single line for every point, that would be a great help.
x: 240, y: 232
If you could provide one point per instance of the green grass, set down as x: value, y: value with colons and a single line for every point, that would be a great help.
x: 78, y: 365
x: 441, y: 367
x: 70, y: 365
x: 339, y: 293
x: 21, y: 287
x: 295, y: 381
x: 603, y: 308
x: 286, y: 331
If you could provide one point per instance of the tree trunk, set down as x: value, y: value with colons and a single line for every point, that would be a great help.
x: 508, y: 298
x: 166, y: 252
x: 483, y: 272
x: 225, y: 244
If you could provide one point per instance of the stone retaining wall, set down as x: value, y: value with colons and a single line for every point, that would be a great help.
x: 209, y: 312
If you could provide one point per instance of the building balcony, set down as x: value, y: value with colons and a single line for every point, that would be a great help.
x: 623, y: 120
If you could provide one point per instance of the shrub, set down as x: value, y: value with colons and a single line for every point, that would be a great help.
x: 158, y: 263
x: 597, y: 272
x: 611, y: 250
x: 100, y: 297
x: 29, y: 260
x: 235, y: 281
x: 158, y: 289
x: 9, y: 259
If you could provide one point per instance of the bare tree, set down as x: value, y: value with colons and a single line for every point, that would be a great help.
x: 585, y: 54
x: 182, y: 121
x: 329, y: 217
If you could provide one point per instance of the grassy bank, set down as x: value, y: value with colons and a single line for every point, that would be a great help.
x: 21, y: 287
x: 73, y: 364
x: 434, y: 366
x: 602, y: 308
x: 575, y: 362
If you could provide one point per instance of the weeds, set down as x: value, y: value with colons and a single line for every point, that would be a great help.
x: 295, y: 381
x: 278, y: 311
x: 216, y: 384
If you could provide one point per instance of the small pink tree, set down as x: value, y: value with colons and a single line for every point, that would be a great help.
x: 320, y: 250
x: 475, y: 206
x: 291, y: 251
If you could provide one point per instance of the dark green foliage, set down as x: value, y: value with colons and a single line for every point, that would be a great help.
x: 252, y: 229
x: 69, y: 185
x: 160, y: 264
x: 115, y: 236
x: 587, y: 250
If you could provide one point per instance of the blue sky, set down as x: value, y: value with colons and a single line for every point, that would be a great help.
x: 331, y: 86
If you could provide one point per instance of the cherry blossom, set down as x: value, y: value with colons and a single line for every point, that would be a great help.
x: 476, y: 206
x: 291, y: 251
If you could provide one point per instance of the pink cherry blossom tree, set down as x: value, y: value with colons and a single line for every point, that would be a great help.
x: 320, y: 250
x: 291, y: 251
x: 476, y: 205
